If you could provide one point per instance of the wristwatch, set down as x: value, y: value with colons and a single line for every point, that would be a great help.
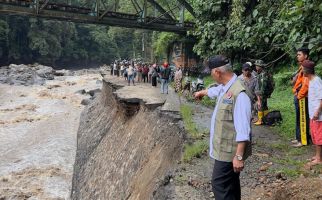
x: 239, y: 157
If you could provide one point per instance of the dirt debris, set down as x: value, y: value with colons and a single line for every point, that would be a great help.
x: 21, y: 119
x: 27, y: 107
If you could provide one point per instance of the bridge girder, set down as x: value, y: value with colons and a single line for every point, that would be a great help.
x: 160, y: 9
x: 100, y: 15
x: 187, y: 6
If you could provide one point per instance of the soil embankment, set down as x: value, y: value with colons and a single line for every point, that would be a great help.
x: 129, y: 140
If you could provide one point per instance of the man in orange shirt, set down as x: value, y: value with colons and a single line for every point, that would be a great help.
x: 300, y: 91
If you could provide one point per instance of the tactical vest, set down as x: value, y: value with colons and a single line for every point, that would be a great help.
x: 224, y: 142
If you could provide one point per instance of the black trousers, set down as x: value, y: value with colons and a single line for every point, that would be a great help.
x: 154, y: 81
x: 145, y: 78
x: 225, y: 182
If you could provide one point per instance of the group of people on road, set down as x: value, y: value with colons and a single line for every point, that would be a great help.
x: 137, y: 71
x: 230, y: 132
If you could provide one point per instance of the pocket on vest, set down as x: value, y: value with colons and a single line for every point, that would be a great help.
x: 226, y: 145
x: 227, y: 115
x: 227, y: 142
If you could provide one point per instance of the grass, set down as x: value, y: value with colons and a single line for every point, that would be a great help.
x: 206, y: 100
x: 282, y: 100
x: 190, y: 126
x: 195, y: 150
x: 288, y: 161
x: 288, y: 172
x: 199, y: 146
x: 208, y: 80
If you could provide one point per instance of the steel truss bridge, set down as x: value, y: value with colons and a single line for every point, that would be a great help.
x: 102, y: 12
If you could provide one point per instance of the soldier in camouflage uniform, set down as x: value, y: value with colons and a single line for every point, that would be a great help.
x: 263, y: 90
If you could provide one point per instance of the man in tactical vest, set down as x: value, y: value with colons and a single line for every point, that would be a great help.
x: 230, y: 132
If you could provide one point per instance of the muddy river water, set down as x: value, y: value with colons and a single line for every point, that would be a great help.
x: 38, y: 126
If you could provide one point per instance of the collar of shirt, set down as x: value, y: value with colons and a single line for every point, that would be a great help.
x: 226, y: 87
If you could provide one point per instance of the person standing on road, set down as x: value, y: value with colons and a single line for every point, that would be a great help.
x: 150, y: 73
x: 300, y: 91
x: 248, y: 78
x: 315, y: 109
x: 118, y: 69
x: 122, y: 69
x: 145, y: 72
x: 154, y: 75
x: 125, y: 71
x: 178, y: 80
x: 113, y: 68
x: 264, y: 89
x: 230, y: 132
x: 165, y: 74
x: 251, y: 82
x: 130, y: 74
x: 139, y: 72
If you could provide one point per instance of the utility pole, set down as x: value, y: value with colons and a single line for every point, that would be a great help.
x: 143, y: 46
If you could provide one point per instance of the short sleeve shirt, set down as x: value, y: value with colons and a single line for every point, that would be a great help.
x: 315, y: 96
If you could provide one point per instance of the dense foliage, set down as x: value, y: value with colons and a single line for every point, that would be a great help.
x: 242, y: 29
x: 250, y: 29
x: 28, y: 40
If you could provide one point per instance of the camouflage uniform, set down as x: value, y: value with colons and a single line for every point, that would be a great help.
x: 264, y: 89
x: 263, y: 80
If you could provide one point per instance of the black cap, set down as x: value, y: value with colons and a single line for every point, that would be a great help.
x: 246, y: 66
x: 217, y: 61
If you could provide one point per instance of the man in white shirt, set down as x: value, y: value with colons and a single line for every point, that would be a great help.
x: 315, y: 109
x: 122, y: 69
x: 114, y: 68
x: 230, y: 132
x: 130, y: 74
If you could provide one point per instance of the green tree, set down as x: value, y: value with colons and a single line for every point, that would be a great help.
x: 245, y: 29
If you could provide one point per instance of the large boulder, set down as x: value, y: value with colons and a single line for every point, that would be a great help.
x: 26, y: 74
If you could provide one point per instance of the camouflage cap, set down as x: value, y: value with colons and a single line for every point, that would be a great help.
x: 260, y: 63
